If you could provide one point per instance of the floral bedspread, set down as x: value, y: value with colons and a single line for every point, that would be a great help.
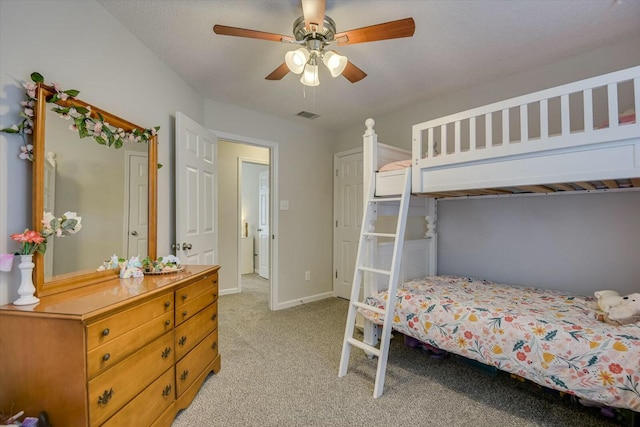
x: 549, y: 337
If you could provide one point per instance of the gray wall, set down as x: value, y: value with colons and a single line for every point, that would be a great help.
x: 81, y: 46
x: 574, y: 242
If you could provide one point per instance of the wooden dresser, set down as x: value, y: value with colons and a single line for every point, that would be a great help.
x: 121, y: 352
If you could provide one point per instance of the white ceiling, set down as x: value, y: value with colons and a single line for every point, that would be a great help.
x: 457, y: 44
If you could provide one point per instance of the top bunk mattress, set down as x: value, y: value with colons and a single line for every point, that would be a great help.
x: 550, y: 337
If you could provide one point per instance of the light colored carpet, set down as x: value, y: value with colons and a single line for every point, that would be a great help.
x: 281, y: 369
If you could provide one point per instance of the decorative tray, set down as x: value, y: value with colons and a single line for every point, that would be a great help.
x: 152, y: 273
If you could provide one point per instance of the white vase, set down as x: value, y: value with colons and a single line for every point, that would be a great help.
x: 26, y: 289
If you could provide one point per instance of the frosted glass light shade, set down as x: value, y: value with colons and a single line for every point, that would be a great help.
x: 335, y: 63
x: 310, y: 76
x: 296, y: 59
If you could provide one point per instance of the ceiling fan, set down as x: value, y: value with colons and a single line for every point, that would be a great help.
x: 314, y: 31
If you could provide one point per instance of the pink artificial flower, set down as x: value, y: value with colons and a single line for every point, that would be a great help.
x: 28, y: 112
x: 31, y: 89
x: 97, y: 128
x: 26, y: 152
x: 73, y: 127
x: 57, y: 87
x: 63, y: 96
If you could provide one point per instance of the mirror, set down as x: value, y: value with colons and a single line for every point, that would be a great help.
x: 113, y: 190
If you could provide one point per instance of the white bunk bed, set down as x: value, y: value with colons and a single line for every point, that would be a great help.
x: 583, y: 136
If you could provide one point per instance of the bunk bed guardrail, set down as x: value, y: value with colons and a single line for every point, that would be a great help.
x: 576, y: 117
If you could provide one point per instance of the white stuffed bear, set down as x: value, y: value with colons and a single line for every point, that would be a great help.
x: 627, y: 311
x: 607, y: 299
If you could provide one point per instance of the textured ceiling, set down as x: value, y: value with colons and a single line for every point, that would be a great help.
x: 457, y: 44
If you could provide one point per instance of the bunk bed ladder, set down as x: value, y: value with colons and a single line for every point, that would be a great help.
x: 368, y: 239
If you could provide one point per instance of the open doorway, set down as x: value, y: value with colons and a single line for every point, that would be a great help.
x: 245, y: 216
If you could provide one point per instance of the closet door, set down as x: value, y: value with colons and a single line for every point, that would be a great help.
x: 347, y: 195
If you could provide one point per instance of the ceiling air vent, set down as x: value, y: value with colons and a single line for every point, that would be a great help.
x: 308, y: 115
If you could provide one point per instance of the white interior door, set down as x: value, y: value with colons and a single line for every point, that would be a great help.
x: 196, y: 193
x: 347, y: 194
x: 137, y: 203
x: 263, y: 224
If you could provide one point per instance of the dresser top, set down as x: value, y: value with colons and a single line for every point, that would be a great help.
x: 92, y: 300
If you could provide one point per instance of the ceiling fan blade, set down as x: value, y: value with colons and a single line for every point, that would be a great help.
x: 353, y: 73
x: 389, y: 30
x: 224, y: 30
x: 313, y: 12
x: 279, y: 72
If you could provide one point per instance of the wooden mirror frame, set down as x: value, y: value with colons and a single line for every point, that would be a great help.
x: 75, y: 280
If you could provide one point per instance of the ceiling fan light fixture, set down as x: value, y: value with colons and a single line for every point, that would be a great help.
x: 335, y: 63
x: 296, y: 60
x: 310, y: 76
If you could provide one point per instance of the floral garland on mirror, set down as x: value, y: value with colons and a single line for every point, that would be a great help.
x: 83, y: 122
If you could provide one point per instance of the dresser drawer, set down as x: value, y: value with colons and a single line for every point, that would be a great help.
x: 195, y: 297
x: 146, y: 406
x: 192, y: 331
x: 187, y: 293
x: 191, y: 365
x: 112, y: 389
x: 112, y: 352
x: 110, y: 328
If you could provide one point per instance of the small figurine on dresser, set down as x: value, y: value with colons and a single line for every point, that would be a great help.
x: 131, y: 268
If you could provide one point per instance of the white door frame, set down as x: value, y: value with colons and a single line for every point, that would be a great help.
x: 273, y: 213
x: 241, y: 161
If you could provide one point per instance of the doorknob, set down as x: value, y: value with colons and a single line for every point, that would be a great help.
x: 134, y: 233
x: 175, y: 246
x: 186, y: 246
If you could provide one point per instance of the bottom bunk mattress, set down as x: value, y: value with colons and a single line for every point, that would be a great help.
x: 549, y: 337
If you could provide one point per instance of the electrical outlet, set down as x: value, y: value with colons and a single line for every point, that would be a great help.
x: 307, y: 275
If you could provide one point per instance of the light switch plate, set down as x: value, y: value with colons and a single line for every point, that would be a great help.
x: 284, y: 205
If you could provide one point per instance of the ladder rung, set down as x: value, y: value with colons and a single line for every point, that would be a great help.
x: 363, y: 346
x: 392, y: 235
x: 385, y: 199
x: 368, y: 307
x: 375, y: 270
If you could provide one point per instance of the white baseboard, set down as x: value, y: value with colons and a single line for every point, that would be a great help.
x: 305, y: 300
x: 229, y: 291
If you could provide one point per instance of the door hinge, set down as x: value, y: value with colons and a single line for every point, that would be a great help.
x: 336, y: 223
x: 336, y: 274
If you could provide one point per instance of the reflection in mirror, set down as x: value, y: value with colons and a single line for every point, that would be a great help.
x: 107, y: 187
x: 113, y: 190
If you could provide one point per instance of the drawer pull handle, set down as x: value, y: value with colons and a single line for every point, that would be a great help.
x: 106, y: 357
x: 215, y: 295
x: 214, y: 317
x: 166, y: 352
x: 105, y: 332
x: 166, y: 390
x: 184, y: 375
x: 167, y: 304
x: 183, y: 340
x: 184, y: 313
x: 106, y: 397
x: 167, y: 322
x: 214, y: 345
x: 184, y: 297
